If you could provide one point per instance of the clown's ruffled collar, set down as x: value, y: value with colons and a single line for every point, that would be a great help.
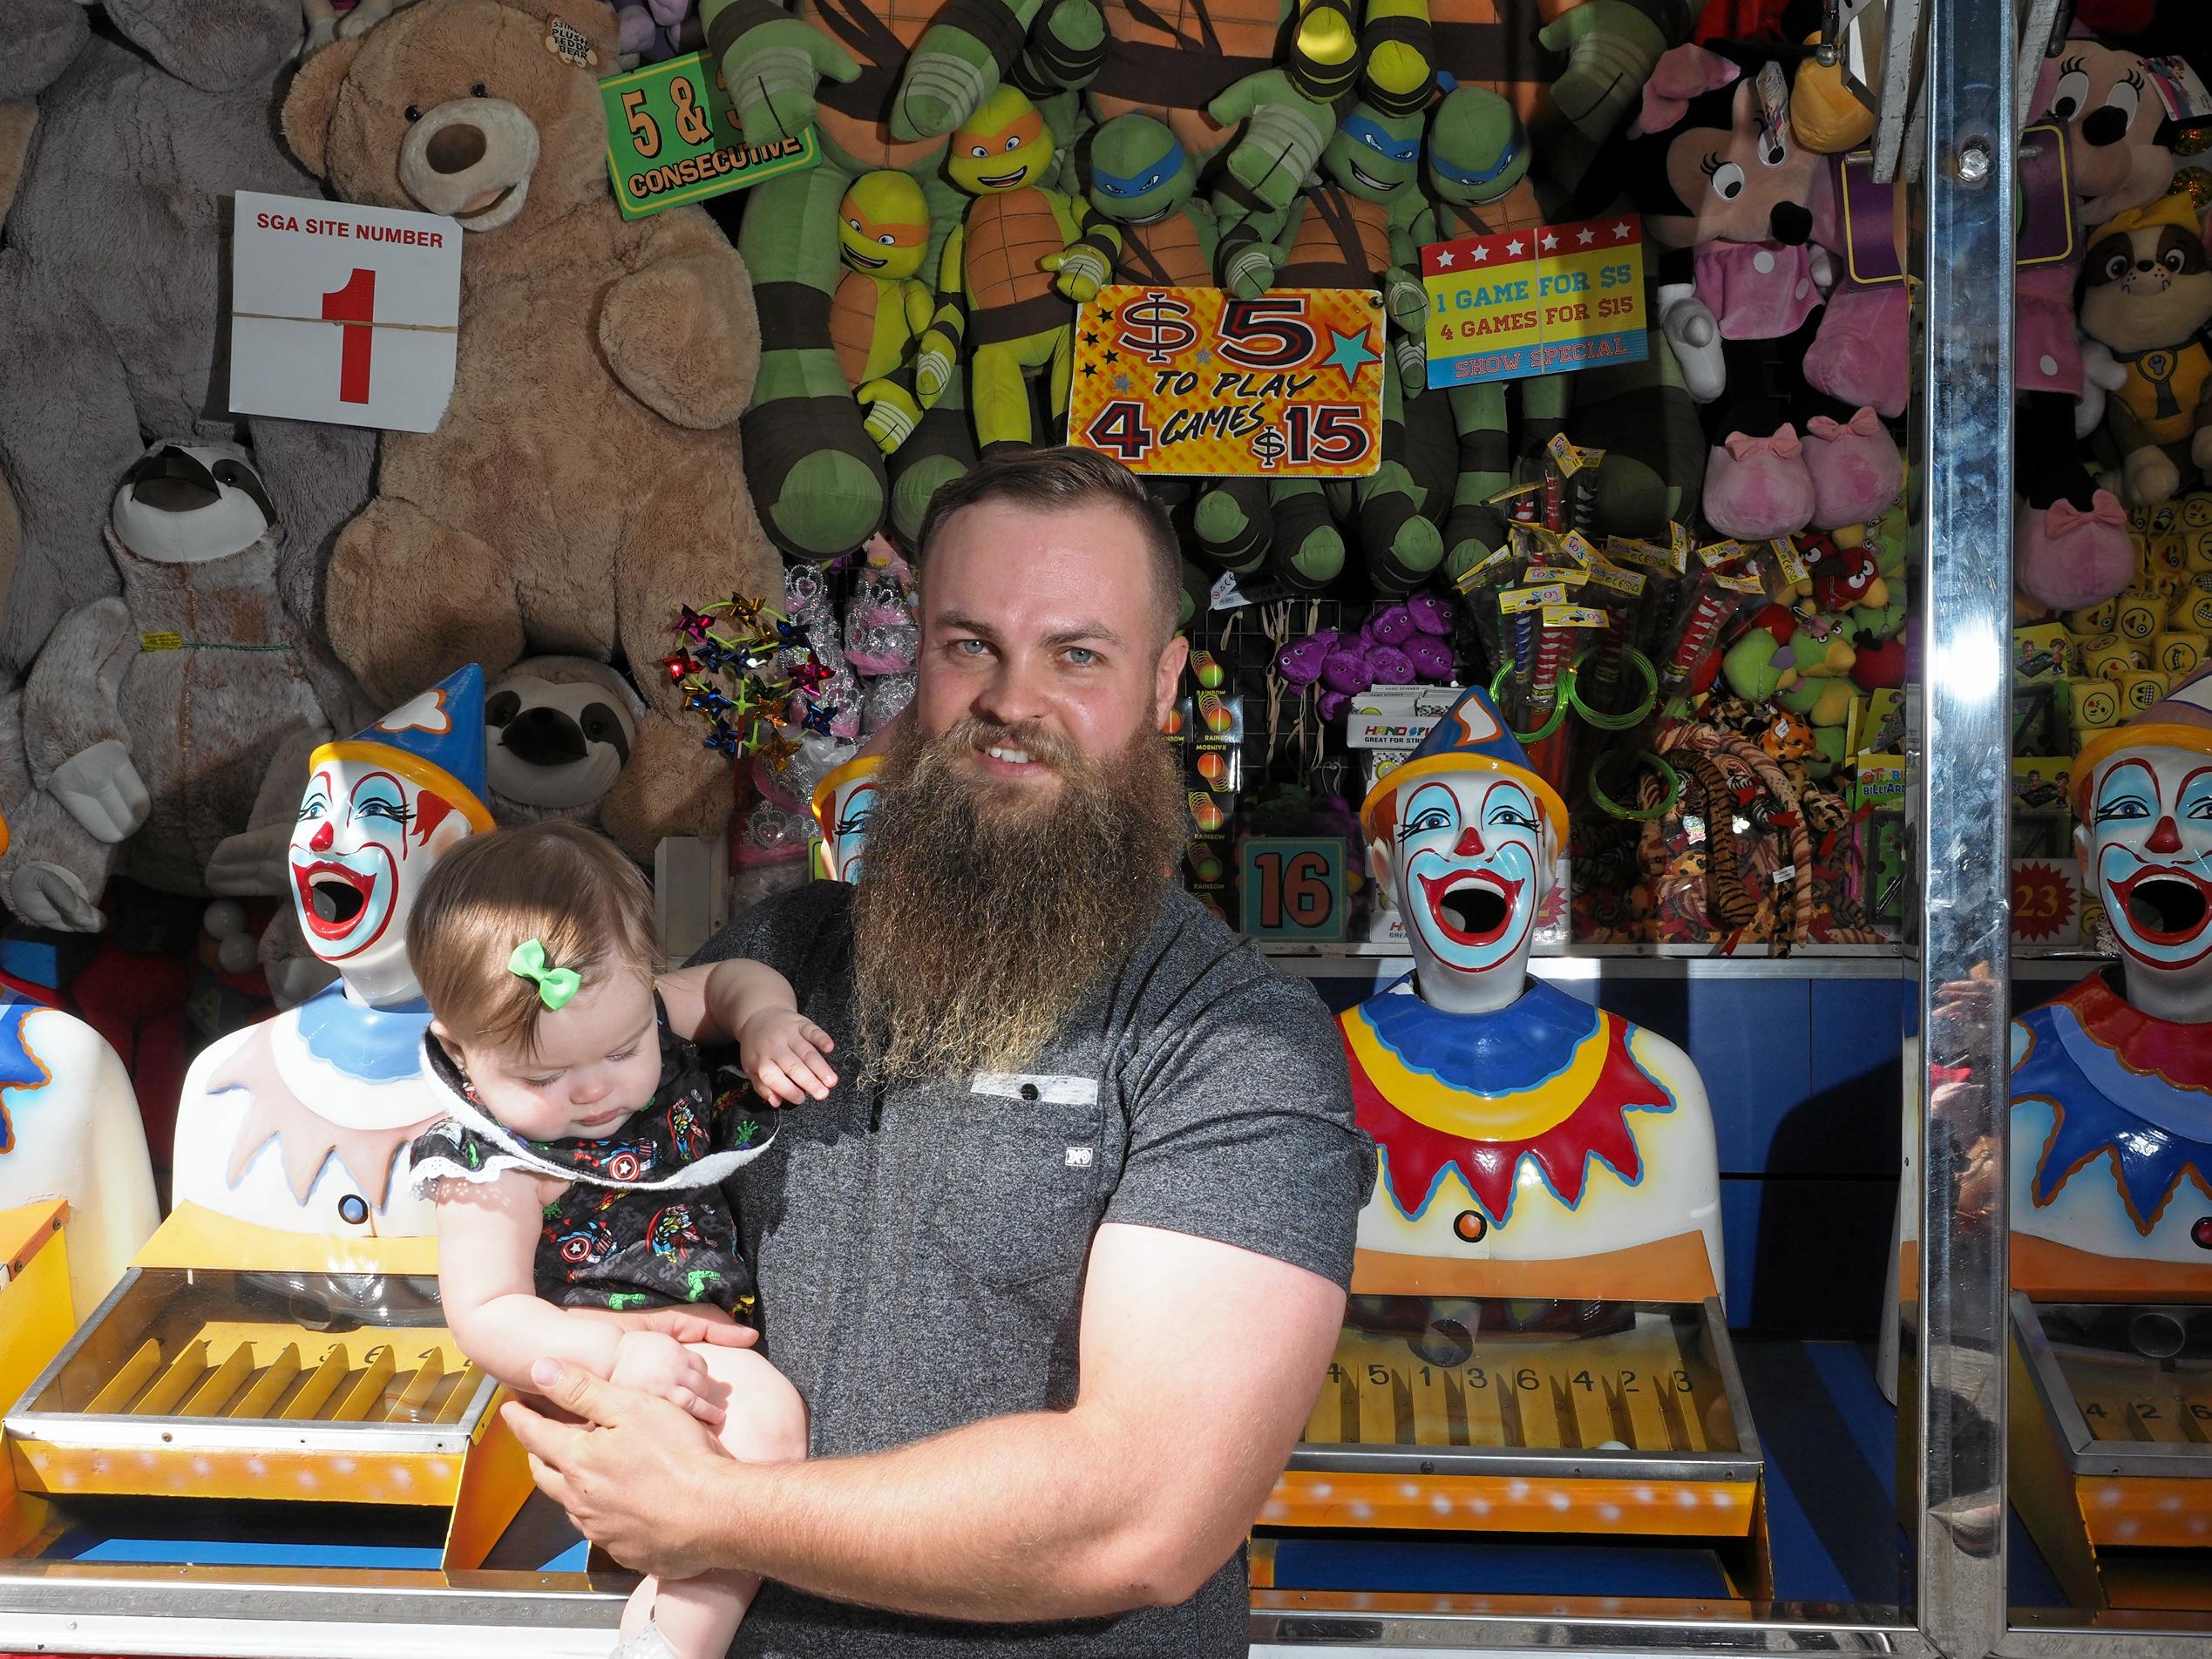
x: 1546, y: 1078
x: 2121, y: 1082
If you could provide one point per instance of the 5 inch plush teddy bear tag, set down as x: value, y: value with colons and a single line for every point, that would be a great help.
x: 566, y: 42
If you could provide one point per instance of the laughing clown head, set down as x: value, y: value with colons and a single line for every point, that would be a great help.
x: 1464, y: 835
x: 843, y: 801
x: 380, y: 809
x: 2143, y: 802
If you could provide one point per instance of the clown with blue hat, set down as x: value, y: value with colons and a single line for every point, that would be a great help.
x: 302, y: 1121
x: 1515, y: 1123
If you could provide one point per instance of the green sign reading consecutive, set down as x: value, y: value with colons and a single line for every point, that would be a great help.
x: 672, y: 137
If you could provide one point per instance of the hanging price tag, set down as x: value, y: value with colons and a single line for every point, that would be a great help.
x: 342, y: 313
x: 672, y: 137
x: 1191, y: 382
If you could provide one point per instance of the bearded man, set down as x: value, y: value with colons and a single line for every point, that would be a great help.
x: 1059, y: 1264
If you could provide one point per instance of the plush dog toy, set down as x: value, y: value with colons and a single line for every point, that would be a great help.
x: 2147, y: 297
x: 587, y: 479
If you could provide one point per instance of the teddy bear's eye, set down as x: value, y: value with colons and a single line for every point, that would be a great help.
x: 414, y: 113
x: 2116, y: 267
x: 477, y: 90
x: 2173, y: 259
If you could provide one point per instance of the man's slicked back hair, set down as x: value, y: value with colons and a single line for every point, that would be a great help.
x: 1057, y: 479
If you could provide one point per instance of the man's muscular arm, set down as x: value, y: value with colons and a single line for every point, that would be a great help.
x: 1200, y: 1362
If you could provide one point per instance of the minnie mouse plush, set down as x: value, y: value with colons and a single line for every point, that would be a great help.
x: 1724, y: 187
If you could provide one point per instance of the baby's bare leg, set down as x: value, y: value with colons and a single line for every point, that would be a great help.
x: 766, y: 1423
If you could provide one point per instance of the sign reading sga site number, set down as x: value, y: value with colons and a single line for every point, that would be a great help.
x: 672, y: 137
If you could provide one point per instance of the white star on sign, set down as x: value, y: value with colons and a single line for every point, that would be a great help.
x: 1587, y: 236
x: 1620, y: 231
x: 1549, y: 241
x: 1513, y: 247
x: 1443, y: 258
x: 1481, y: 253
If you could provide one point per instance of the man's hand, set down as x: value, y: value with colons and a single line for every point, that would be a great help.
x: 654, y: 1363
x: 635, y: 1475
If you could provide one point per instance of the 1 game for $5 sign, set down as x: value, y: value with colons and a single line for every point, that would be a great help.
x: 1193, y: 382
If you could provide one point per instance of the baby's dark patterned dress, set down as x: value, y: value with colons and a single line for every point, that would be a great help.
x: 644, y: 1223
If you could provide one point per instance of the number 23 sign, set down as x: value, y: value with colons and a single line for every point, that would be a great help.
x: 1192, y: 383
x: 344, y: 313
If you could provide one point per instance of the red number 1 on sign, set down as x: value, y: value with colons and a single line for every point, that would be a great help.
x: 354, y: 306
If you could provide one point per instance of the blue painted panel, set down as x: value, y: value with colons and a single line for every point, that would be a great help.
x: 1805, y: 1257
x: 1473, y: 1566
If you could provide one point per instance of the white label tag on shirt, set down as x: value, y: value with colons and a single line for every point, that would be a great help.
x: 1052, y: 1091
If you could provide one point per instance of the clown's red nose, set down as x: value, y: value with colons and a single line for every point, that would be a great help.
x: 1470, y: 844
x: 2165, y: 839
x: 321, y: 840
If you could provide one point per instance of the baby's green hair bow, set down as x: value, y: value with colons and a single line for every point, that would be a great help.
x: 556, y: 986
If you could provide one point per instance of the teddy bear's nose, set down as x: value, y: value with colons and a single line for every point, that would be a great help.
x: 456, y: 148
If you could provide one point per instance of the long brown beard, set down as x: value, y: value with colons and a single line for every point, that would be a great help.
x: 980, y: 919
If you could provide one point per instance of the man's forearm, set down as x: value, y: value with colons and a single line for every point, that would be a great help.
x: 1032, y: 1517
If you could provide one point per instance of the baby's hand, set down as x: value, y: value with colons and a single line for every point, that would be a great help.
x: 653, y: 1364
x: 783, y: 1052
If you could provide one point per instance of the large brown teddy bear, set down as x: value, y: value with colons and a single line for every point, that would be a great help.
x: 587, y: 479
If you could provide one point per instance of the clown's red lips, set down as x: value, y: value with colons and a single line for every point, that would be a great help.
x: 331, y: 896
x: 1471, y: 907
x: 2167, y: 906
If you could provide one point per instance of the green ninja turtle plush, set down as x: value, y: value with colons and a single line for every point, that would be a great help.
x: 1351, y: 231
x: 1143, y: 180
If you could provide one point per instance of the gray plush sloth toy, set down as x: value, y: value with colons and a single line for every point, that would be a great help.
x: 163, y: 733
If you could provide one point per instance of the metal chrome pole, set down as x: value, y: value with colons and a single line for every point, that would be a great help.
x: 1962, y: 416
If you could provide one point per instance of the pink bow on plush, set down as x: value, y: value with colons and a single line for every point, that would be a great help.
x: 2104, y: 509
x: 1677, y: 76
x: 1783, y: 442
x: 1865, y: 423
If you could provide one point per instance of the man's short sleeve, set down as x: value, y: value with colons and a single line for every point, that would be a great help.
x: 1241, y: 1127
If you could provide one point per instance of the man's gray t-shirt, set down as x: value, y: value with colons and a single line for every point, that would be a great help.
x: 920, y: 1251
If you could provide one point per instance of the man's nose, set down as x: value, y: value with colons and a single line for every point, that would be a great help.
x: 2166, y: 838
x: 322, y: 839
x: 1470, y: 843
x: 1016, y: 693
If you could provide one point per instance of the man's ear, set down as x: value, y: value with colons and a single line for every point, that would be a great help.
x: 312, y: 103
x: 1167, y: 674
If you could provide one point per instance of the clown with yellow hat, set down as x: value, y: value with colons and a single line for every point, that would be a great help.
x: 1514, y: 1122
x: 2112, y: 1079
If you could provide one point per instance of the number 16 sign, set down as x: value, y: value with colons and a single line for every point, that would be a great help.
x: 344, y: 313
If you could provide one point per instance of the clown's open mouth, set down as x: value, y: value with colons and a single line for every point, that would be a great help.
x: 1471, y: 909
x: 331, y: 898
x: 2166, y: 906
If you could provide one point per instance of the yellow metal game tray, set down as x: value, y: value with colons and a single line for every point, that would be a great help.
x: 223, y: 1383
x: 1485, y: 1413
x: 2128, y: 1388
